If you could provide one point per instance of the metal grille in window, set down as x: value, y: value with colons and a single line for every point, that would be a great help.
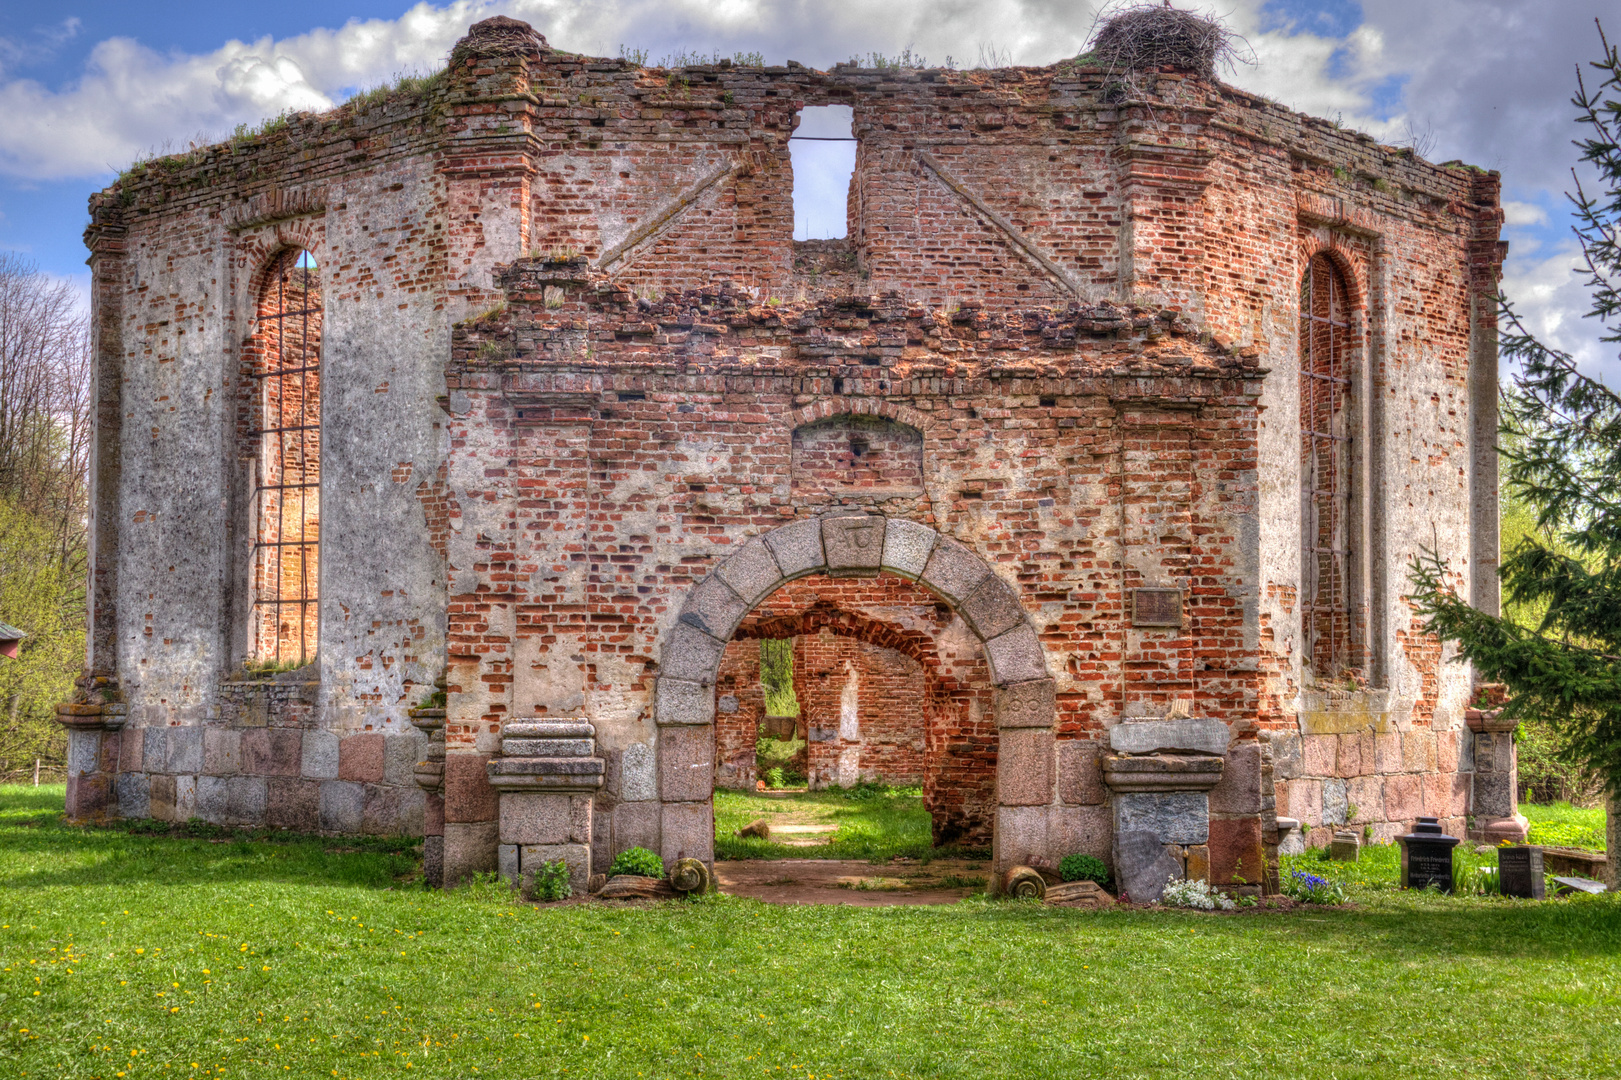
x: 1325, y: 454
x: 287, y: 490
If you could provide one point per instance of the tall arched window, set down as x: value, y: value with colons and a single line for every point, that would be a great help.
x: 287, y: 483
x: 1325, y: 474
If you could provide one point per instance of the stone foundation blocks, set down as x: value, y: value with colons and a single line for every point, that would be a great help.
x: 1024, y: 767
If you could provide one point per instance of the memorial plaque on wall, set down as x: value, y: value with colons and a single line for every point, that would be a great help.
x: 1156, y: 607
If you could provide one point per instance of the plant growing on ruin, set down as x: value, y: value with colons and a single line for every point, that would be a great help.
x: 637, y: 861
x: 1079, y: 867
x: 1193, y: 894
x: 1562, y: 450
x: 551, y: 881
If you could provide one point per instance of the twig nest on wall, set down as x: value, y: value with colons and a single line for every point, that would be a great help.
x: 1149, y: 35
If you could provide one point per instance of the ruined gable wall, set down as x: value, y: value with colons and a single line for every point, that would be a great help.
x: 609, y: 436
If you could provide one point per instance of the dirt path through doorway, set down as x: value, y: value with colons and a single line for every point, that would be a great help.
x: 851, y: 881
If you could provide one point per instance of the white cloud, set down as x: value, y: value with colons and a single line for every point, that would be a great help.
x: 1519, y: 213
x: 21, y: 52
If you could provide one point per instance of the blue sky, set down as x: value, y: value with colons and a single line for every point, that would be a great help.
x: 85, y: 87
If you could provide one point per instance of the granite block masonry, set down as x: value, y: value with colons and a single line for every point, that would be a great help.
x: 976, y: 431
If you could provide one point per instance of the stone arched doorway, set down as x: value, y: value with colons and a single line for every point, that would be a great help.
x: 855, y: 545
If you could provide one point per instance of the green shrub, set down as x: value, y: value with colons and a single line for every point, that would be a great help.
x: 551, y: 880
x: 779, y: 777
x: 639, y: 862
x: 1080, y: 867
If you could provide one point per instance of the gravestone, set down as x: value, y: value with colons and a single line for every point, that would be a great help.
x: 1345, y: 846
x: 1426, y: 856
x: 1519, y: 872
x: 1579, y: 884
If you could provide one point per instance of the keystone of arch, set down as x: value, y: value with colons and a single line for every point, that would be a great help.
x: 845, y: 545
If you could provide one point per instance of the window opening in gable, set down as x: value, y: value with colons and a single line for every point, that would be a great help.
x: 1325, y: 456
x: 287, y: 496
x: 823, y: 153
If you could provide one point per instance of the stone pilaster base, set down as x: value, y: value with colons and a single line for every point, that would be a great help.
x: 94, y: 745
x: 1161, y: 775
x: 547, y: 777
x: 468, y: 849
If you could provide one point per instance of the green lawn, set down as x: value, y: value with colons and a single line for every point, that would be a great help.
x: 1563, y: 825
x: 148, y: 955
x: 874, y: 823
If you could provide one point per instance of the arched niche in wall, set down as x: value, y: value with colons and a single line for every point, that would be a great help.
x: 856, y: 456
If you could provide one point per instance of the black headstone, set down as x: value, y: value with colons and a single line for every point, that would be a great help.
x: 1426, y: 856
x: 1519, y: 872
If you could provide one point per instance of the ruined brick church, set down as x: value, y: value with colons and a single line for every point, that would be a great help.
x: 456, y: 448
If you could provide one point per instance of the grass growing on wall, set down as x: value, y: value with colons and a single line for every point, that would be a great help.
x: 165, y: 957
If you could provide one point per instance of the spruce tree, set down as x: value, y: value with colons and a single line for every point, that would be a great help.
x: 1562, y: 455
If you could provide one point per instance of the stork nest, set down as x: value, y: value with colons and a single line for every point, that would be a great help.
x: 1146, y: 35
x: 499, y: 36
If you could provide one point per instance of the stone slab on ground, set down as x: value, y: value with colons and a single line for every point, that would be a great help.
x: 817, y: 881
x: 1078, y: 894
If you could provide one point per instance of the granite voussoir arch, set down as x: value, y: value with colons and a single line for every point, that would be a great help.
x: 851, y: 545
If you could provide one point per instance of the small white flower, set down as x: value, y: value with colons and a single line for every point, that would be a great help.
x: 1193, y: 894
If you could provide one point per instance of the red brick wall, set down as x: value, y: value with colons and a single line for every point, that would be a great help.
x: 848, y: 456
x: 740, y: 705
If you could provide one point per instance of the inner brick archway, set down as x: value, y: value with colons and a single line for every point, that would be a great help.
x: 854, y: 545
x: 954, y: 711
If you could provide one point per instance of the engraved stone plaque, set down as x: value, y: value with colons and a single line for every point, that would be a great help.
x: 1156, y: 607
x: 1519, y: 870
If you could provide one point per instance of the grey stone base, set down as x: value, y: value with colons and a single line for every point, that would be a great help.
x: 303, y: 780
x: 519, y: 862
x: 433, y: 861
x: 1159, y: 837
x: 469, y: 848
